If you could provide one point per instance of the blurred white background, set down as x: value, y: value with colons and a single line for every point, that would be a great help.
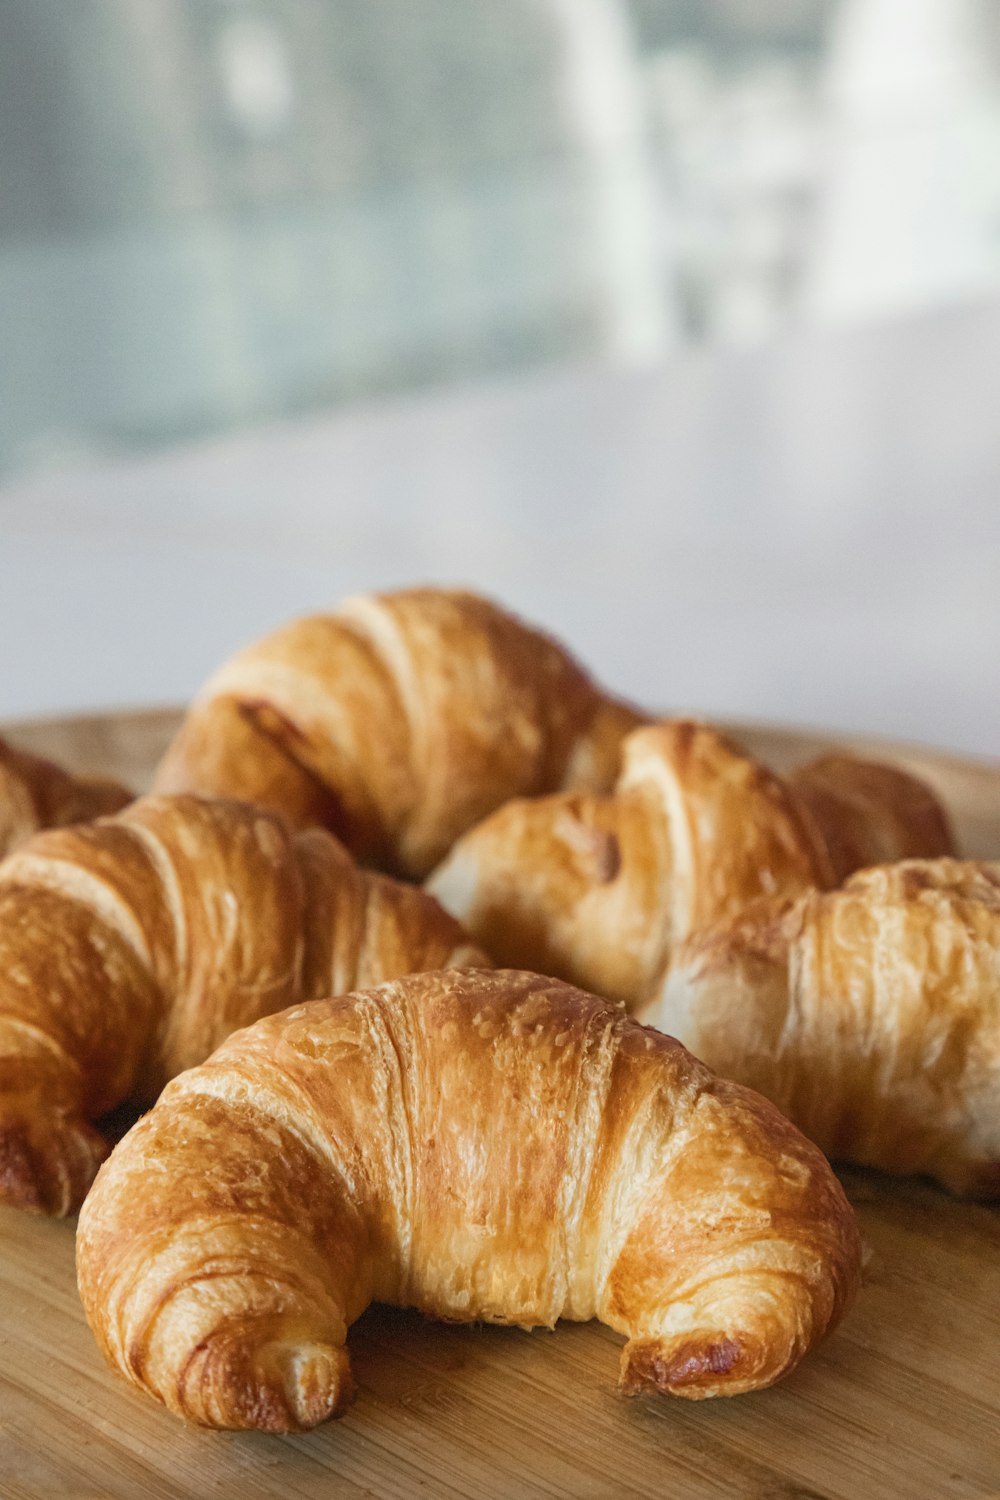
x: 674, y: 323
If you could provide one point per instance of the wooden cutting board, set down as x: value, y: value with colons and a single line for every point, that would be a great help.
x: 902, y: 1403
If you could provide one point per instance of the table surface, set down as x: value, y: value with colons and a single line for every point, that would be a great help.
x: 903, y: 1400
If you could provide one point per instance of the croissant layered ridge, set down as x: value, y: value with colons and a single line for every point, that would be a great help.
x: 601, y: 889
x: 35, y: 793
x: 479, y: 1145
x: 870, y: 1015
x: 130, y: 947
x: 398, y: 722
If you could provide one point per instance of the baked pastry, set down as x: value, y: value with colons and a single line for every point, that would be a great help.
x: 871, y: 814
x: 870, y: 1015
x: 601, y: 889
x: 35, y: 793
x: 398, y: 723
x: 480, y: 1146
x: 129, y: 948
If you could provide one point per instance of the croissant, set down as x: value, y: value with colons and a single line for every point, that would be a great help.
x: 870, y: 1015
x: 398, y: 723
x: 477, y: 1145
x: 35, y: 793
x: 600, y: 890
x: 871, y: 814
x: 129, y: 948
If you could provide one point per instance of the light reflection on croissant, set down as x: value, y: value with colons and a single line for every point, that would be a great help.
x: 397, y: 723
x: 35, y: 793
x: 870, y: 1015
x: 477, y: 1145
x: 130, y: 947
x: 601, y: 889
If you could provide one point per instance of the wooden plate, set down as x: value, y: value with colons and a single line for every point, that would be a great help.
x: 902, y: 1403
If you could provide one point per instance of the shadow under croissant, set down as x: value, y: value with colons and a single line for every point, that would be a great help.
x: 402, y: 1358
x: 119, y: 1121
x: 501, y: 1392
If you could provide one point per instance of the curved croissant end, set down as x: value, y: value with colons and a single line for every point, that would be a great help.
x: 478, y: 1145
x: 397, y: 723
x: 600, y: 890
x: 870, y: 1015
x: 129, y: 948
x: 48, y: 1152
x: 36, y: 794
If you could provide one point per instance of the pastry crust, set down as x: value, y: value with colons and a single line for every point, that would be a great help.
x: 130, y: 947
x: 600, y: 890
x: 35, y: 793
x: 480, y: 1146
x: 871, y: 814
x: 397, y: 723
x: 870, y: 1015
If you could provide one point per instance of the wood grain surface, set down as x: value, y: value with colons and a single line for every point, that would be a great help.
x: 902, y: 1403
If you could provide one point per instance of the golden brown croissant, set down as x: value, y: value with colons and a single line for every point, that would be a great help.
x: 870, y: 1015
x: 478, y: 1145
x: 398, y: 723
x: 129, y: 948
x: 601, y: 889
x: 870, y: 813
x: 35, y: 793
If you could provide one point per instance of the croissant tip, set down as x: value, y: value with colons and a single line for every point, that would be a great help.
x: 707, y: 1365
x: 20, y: 1186
x: 285, y: 1385
x: 316, y: 1381
x: 27, y: 1180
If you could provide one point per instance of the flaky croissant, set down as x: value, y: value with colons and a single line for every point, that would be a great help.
x: 600, y: 890
x: 870, y: 1015
x: 398, y: 723
x: 478, y: 1145
x: 35, y: 793
x: 130, y: 947
x: 871, y: 814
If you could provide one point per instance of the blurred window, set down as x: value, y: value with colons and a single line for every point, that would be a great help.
x: 218, y: 211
